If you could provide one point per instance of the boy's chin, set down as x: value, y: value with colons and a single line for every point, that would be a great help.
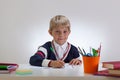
x: 61, y: 43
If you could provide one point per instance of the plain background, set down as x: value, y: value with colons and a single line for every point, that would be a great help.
x: 24, y: 26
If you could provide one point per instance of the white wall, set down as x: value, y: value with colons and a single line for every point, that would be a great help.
x: 24, y: 25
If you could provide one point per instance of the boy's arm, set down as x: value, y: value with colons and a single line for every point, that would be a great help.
x: 37, y: 59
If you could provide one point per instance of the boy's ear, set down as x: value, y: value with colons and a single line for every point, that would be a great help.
x: 50, y: 32
x: 69, y: 32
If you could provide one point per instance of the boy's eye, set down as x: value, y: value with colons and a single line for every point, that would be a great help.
x: 65, y: 31
x: 57, y: 31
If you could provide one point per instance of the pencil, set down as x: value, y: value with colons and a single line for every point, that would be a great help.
x: 80, y: 51
x: 84, y: 51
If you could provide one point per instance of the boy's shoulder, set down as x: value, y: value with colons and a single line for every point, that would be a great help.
x: 73, y: 46
x: 47, y: 44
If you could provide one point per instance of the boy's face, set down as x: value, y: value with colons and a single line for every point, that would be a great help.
x: 60, y: 34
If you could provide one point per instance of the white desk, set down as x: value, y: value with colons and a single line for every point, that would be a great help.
x: 45, y: 73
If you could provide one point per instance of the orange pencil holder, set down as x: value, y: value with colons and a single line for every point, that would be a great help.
x: 91, y: 64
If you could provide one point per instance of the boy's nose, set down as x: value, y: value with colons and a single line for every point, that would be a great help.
x: 61, y: 34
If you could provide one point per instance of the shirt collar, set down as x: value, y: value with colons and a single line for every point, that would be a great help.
x: 64, y: 46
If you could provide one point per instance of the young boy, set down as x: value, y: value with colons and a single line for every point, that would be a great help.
x: 57, y: 52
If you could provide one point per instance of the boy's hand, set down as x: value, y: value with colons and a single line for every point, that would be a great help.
x: 75, y: 62
x: 57, y: 64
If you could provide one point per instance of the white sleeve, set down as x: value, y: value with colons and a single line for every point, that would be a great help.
x: 45, y: 62
x: 44, y: 50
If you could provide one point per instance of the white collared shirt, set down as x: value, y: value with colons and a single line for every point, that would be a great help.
x: 60, y: 49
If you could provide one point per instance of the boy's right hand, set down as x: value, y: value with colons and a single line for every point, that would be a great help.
x: 57, y: 64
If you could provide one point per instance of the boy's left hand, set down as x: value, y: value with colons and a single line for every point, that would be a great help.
x: 75, y: 62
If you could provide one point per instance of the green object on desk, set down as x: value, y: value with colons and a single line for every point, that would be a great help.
x: 23, y: 71
x: 3, y: 67
x: 95, y: 53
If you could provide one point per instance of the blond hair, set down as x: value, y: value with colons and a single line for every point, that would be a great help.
x: 59, y: 20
